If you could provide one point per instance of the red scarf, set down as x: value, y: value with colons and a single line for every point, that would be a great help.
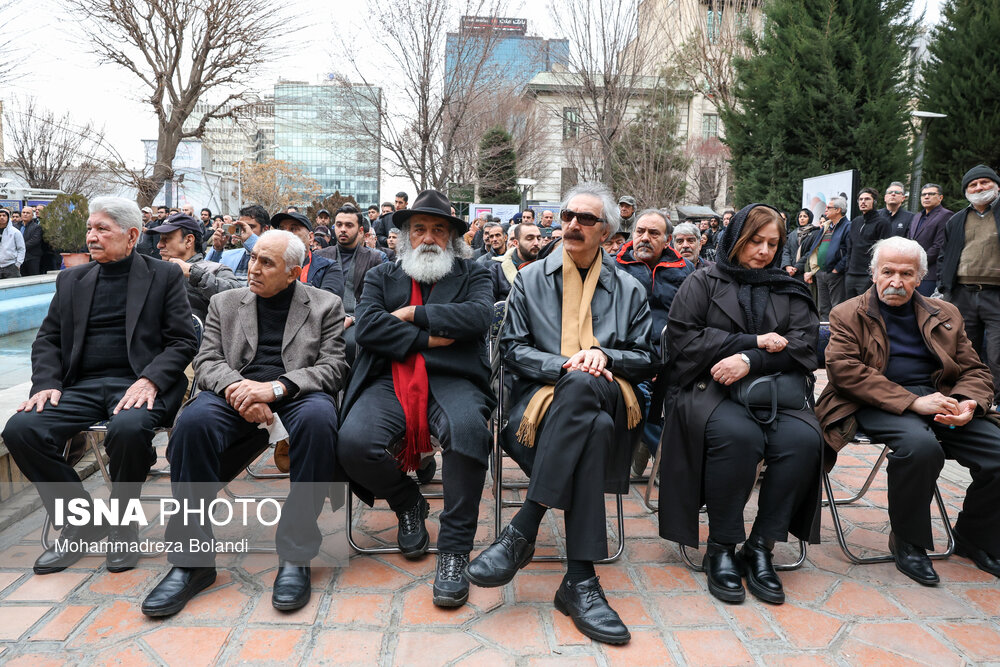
x: 409, y: 379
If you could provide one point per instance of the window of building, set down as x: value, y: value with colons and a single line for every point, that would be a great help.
x: 714, y: 25
x: 571, y: 123
x: 709, y: 126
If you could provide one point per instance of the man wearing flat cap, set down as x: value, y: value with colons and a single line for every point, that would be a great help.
x: 422, y: 376
x: 626, y: 209
x: 181, y: 244
x: 969, y: 270
x: 318, y: 271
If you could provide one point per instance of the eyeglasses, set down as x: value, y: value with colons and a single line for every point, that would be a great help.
x: 894, y: 192
x: 585, y: 219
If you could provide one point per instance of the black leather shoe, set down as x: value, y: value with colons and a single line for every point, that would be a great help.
x: 68, y: 548
x: 762, y: 580
x: 725, y: 576
x: 451, y: 588
x: 912, y: 561
x: 500, y: 561
x: 176, y: 588
x: 292, y: 587
x: 983, y: 560
x: 123, y: 548
x: 425, y: 473
x: 412, y: 534
x: 592, y: 615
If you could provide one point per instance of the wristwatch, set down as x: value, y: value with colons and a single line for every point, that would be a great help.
x: 279, y: 391
x: 745, y: 359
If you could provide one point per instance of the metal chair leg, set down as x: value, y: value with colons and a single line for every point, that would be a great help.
x: 838, y: 529
x: 868, y: 482
x: 650, y: 505
x: 780, y: 567
x: 368, y: 550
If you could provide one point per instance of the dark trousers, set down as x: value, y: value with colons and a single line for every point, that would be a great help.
x: 829, y: 292
x: 571, y: 450
x: 734, y: 445
x: 37, y: 440
x: 376, y: 422
x: 919, y: 447
x: 855, y: 285
x: 981, y: 311
x: 10, y: 271
x: 209, y: 445
x: 32, y: 266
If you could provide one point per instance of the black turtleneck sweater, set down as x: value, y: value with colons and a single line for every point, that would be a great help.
x: 105, y: 350
x: 866, y: 230
x: 910, y: 362
x: 272, y: 313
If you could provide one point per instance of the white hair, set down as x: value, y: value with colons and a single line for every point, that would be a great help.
x: 295, y: 251
x: 903, y: 246
x: 688, y: 229
x: 840, y: 203
x: 612, y: 219
x: 124, y: 212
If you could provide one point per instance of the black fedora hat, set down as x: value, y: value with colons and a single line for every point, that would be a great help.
x: 430, y: 202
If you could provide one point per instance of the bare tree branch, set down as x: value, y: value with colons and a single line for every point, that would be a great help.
x: 180, y: 50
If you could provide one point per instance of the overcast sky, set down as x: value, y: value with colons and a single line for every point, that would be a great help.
x: 57, y: 69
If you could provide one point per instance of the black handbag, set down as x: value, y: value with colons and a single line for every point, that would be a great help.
x: 766, y: 394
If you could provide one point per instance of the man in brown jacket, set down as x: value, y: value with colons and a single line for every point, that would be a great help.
x: 902, y: 370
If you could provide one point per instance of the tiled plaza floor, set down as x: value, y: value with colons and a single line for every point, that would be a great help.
x: 379, y: 611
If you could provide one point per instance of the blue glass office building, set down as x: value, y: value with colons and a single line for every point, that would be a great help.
x: 316, y: 127
x: 516, y: 56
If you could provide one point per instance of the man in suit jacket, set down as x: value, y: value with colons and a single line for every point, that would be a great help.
x: 422, y: 373
x: 275, y: 347
x: 927, y: 229
x: 114, y: 346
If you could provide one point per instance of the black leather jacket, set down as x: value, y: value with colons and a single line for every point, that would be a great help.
x: 530, y: 340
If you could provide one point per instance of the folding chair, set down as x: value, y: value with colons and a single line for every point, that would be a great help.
x: 833, y: 502
x: 496, y: 464
x: 650, y: 481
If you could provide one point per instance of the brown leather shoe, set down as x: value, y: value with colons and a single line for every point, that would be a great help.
x: 281, y: 460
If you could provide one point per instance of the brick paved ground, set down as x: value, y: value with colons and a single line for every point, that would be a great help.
x: 378, y: 611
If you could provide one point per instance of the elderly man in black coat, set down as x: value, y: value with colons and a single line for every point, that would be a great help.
x: 577, y: 341
x: 113, y: 346
x: 422, y: 374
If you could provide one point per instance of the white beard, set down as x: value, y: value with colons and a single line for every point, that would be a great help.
x: 427, y: 263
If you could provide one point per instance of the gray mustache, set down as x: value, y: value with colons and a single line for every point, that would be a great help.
x: 894, y: 291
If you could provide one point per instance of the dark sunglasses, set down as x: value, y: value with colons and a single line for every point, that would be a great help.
x: 585, y: 219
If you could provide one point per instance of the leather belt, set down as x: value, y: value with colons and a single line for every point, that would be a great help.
x: 978, y: 287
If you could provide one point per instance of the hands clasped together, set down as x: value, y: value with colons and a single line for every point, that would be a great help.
x: 734, y: 368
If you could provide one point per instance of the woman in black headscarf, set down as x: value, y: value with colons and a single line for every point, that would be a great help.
x: 744, y: 317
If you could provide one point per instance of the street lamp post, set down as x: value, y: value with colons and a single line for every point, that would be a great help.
x: 525, y: 185
x: 918, y: 163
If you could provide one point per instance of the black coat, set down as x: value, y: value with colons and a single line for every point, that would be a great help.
x: 927, y: 229
x: 32, y: 240
x: 864, y: 232
x: 899, y: 224
x: 161, y: 338
x: 706, y: 324
x: 365, y: 258
x: 459, y: 307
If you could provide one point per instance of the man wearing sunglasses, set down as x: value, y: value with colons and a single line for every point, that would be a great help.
x: 899, y: 218
x: 577, y: 341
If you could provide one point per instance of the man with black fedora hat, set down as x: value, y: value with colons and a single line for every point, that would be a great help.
x: 181, y: 244
x: 318, y: 271
x: 969, y: 270
x: 421, y: 380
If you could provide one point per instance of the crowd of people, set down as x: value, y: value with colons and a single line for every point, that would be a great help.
x: 366, y: 332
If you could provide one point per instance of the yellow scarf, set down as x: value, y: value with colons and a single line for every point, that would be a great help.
x: 577, y: 334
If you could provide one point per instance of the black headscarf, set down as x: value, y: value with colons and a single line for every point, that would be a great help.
x: 755, y: 285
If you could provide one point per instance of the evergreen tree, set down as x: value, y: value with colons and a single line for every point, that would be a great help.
x: 825, y: 90
x: 962, y: 79
x: 497, y: 169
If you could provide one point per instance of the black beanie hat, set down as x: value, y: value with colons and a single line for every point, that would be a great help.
x: 979, y: 171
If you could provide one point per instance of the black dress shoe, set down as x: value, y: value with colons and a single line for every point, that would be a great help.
x: 912, y: 561
x: 762, y: 580
x: 123, y: 548
x: 451, y: 588
x: 292, y: 587
x: 592, y: 615
x: 176, y: 588
x: 425, y: 473
x: 983, y: 560
x: 412, y: 535
x: 500, y: 561
x: 68, y: 548
x: 725, y: 576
